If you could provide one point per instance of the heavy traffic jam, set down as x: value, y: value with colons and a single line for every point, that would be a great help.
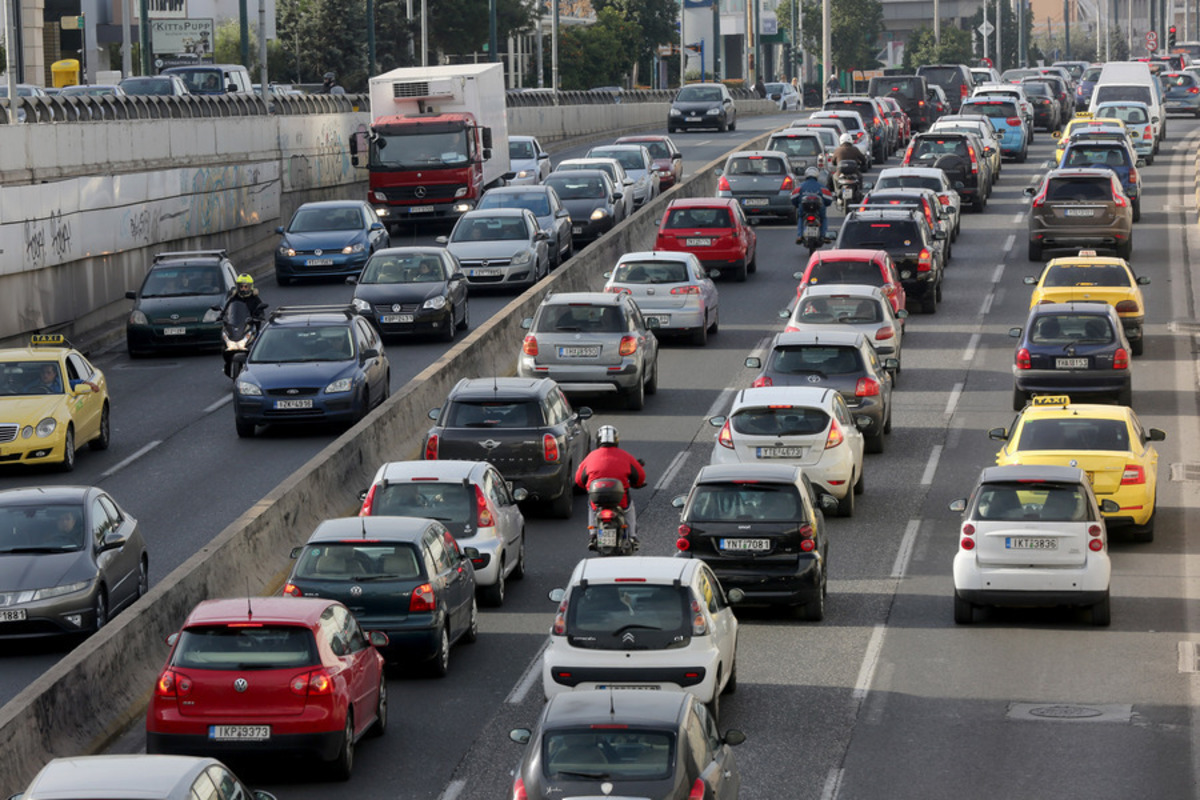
x: 664, y: 582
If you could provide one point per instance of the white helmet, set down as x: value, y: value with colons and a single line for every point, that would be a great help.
x: 846, y: 139
x: 607, y: 436
x: 812, y: 172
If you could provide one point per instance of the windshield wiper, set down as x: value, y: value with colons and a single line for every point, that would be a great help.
x: 40, y: 549
x: 635, y: 627
x: 596, y: 776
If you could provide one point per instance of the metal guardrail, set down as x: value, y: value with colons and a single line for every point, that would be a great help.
x: 545, y: 97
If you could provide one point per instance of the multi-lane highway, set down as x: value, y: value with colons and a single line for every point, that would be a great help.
x: 886, y: 698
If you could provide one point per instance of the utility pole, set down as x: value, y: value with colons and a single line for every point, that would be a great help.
x: 825, y: 48
x: 1067, y: 28
x: 493, y: 44
x: 999, y: 37
x: 937, y: 22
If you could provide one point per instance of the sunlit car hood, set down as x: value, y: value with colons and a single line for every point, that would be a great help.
x: 27, y: 571
x: 190, y: 305
x: 581, y: 208
x: 330, y: 241
x: 399, y: 292
x: 492, y: 249
x: 30, y: 409
x: 298, y: 373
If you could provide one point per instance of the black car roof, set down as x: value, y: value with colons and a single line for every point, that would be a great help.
x: 45, y: 494
x: 484, y: 388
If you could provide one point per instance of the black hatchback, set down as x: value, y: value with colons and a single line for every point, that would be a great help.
x: 419, y: 290
x: 915, y: 249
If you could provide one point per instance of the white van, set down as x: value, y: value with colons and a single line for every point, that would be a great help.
x: 1132, y: 81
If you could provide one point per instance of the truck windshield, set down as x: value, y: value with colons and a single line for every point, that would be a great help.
x: 425, y: 149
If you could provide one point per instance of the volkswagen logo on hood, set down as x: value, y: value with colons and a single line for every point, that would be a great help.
x: 318, y: 252
x: 174, y: 316
x: 356, y: 591
x: 814, y: 378
x: 396, y: 307
x: 241, y: 685
x: 489, y: 444
x: 419, y: 192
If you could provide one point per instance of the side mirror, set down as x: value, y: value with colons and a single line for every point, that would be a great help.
x: 606, y: 275
x: 753, y: 362
x: 735, y: 595
x: 1029, y: 191
x: 1143, y: 281
x: 296, y: 551
x: 378, y: 638
x: 784, y: 313
x: 1141, y: 162
x: 279, y: 229
x: 442, y: 240
x: 376, y: 225
x: 1055, y: 134
x: 939, y: 234
x: 369, y: 353
x: 173, y: 638
x: 653, y: 322
x: 797, y: 275
x: 541, y: 236
x: 891, y: 364
x: 557, y: 595
x: 1014, y: 333
x: 583, y: 412
x: 133, y: 296
x: 1030, y: 280
x: 862, y: 422
x: 959, y: 185
x: 527, y: 323
x: 716, y: 273
x: 113, y: 541
x: 486, y: 136
x: 434, y: 413
x: 1156, y: 435
x: 718, y: 172
x: 617, y: 196
x: 471, y: 552
x: 902, y: 313
x: 1110, y: 507
x: 520, y: 735
x: 717, y: 420
x: 828, y: 503
x: 733, y: 737
x: 868, y: 186
x: 998, y: 434
x: 678, y: 501
x: 959, y: 505
x: 520, y: 494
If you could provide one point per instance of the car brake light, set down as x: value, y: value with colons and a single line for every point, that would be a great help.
x: 1095, y: 545
x: 422, y: 598
x: 431, y: 447
x: 530, y: 347
x: 968, y: 544
x: 944, y: 199
x: 291, y: 590
x: 549, y: 448
x: 924, y: 260
x: 920, y: 104
x: 974, y: 162
x: 928, y: 213
x: 723, y: 184
x: 1119, y: 199
x: 963, y: 90
x: 683, y: 543
x: 560, y: 619
x: 1133, y: 474
x: 686, y: 290
x: 1193, y: 90
x: 1013, y: 121
x: 368, y: 502
x: 483, y: 514
x: 968, y: 529
x: 907, y: 154
x: 1094, y: 530
x: 886, y: 332
x: 173, y: 684
x: 610, y: 290
x: 866, y: 387
x: 835, y: 437
x: 628, y: 345
x: 762, y: 380
x: 519, y: 790
x: 858, y: 135
x: 787, y: 185
x: 725, y: 437
x: 1041, y: 197
x: 316, y: 682
x: 1023, y: 360
x: 699, y: 623
x: 1127, y: 307
x: 698, y: 790
x: 1121, y: 359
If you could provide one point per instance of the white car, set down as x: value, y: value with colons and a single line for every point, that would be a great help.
x: 1032, y: 536
x: 854, y: 126
x: 673, y: 288
x: 924, y: 178
x: 809, y: 426
x: 528, y: 160
x: 785, y: 95
x: 475, y: 503
x: 853, y: 307
x: 639, y: 166
x: 642, y: 622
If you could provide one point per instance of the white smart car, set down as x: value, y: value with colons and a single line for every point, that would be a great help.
x: 1032, y: 536
x: 641, y: 622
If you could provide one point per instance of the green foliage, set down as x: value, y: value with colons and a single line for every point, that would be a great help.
x: 599, y: 54
x: 854, y: 30
x: 461, y: 26
x: 955, y: 48
x: 655, y: 19
x: 1009, y: 38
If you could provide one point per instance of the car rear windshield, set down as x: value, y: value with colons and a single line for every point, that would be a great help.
x: 698, y: 218
x: 815, y: 359
x: 1071, y: 329
x: 997, y: 109
x: 630, y: 159
x: 362, y: 561
x: 287, y: 344
x: 905, y: 87
x: 609, y: 753
x: 248, y: 646
x: 755, y: 165
x: 451, y: 504
x: 833, y: 271
x: 42, y: 528
x: 910, y: 182
x: 537, y: 202
x: 898, y: 234
x: 1087, y: 154
x: 1138, y: 94
x: 1091, y: 74
x: 839, y: 308
x: 599, y: 615
x: 940, y: 146
x: 573, y: 187
x: 183, y: 281
x: 851, y: 123
x: 797, y: 145
x: 650, y: 272
x: 580, y: 317
x: 1032, y: 502
x: 1037, y: 88
x: 731, y: 502
x: 494, y: 414
x: 1089, y: 275
x: 657, y: 148
x: 1084, y: 187
x: 942, y: 76
x: 1177, y: 79
x: 790, y: 421
x: 1075, y: 433
x: 1132, y: 115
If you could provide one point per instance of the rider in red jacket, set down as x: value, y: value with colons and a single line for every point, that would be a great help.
x: 610, y: 461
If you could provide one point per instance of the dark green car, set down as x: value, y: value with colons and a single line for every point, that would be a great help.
x: 173, y: 308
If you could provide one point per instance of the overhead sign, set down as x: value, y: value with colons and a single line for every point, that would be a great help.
x: 179, y: 36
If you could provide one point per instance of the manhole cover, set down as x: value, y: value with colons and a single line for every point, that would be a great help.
x: 1065, y: 712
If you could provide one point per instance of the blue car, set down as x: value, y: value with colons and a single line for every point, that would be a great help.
x: 1076, y: 349
x: 1006, y: 119
x: 332, y: 238
x: 311, y: 364
x: 1113, y: 155
x: 1084, y: 87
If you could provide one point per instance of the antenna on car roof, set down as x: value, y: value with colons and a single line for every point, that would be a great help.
x: 249, y: 607
x: 612, y: 711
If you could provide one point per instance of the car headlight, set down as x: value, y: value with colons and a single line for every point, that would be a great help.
x: 46, y: 427
x: 59, y: 591
x: 523, y: 257
x: 712, y: 112
x: 249, y: 389
x: 675, y: 112
x: 435, y: 302
x: 361, y: 305
x: 599, y: 214
x: 339, y: 386
x: 284, y: 250
x: 136, y: 317
x: 212, y: 315
x: 350, y: 249
x: 524, y: 174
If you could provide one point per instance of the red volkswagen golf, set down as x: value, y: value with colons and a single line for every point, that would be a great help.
x: 269, y: 675
x: 714, y: 229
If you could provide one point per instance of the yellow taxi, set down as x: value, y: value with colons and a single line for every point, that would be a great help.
x: 52, y: 402
x: 1087, y: 277
x: 1084, y: 124
x: 1107, y: 442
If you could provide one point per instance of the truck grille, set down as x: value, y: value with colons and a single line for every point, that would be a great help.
x: 408, y: 194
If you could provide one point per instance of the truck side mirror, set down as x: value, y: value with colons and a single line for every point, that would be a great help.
x: 487, y: 139
x: 358, y: 144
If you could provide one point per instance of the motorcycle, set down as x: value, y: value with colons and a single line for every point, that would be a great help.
x: 238, y: 330
x: 810, y: 233
x: 849, y: 184
x: 612, y: 534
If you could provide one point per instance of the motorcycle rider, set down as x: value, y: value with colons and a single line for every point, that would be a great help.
x: 247, y: 294
x: 846, y: 151
x: 811, y: 186
x: 610, y: 461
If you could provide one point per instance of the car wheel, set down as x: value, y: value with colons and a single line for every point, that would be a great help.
x: 343, y: 764
x: 846, y: 505
x: 1035, y: 251
x: 381, y: 711
x: 1102, y: 613
x: 937, y: 294
x: 439, y: 665
x: 731, y: 684
x: 448, y: 331
x: 494, y: 595
x: 722, y: 127
x: 1144, y: 534
x: 282, y: 280
x: 813, y: 610
x: 716, y: 323
x: 752, y: 266
x: 387, y: 387
x: 1137, y: 210
x: 102, y: 440
x: 929, y: 305
x: 733, y: 124
x: 1125, y: 397
x: 471, y: 634
x: 652, y: 384
x: 68, y: 462
x: 143, y: 579
x: 466, y: 317
x: 245, y: 428
x: 1019, y: 399
x: 519, y: 570
x: 964, y: 611
x: 561, y: 506
x: 874, y: 442
x: 700, y: 336
x: 739, y: 274
x: 887, y: 425
x: 860, y: 485
x: 1150, y: 160
x: 1138, y: 346
x: 635, y: 399
x: 1125, y: 250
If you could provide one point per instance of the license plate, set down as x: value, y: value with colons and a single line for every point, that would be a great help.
x: 693, y: 119
x: 484, y: 273
x: 319, y: 262
x: 174, y: 331
x: 745, y: 544
x: 1070, y: 363
x: 607, y: 538
x: 755, y: 201
x: 420, y: 209
x: 283, y: 405
x: 848, y: 193
x: 239, y: 733
x: 812, y: 233
x: 1080, y: 212
x: 781, y: 452
x: 697, y: 242
x: 13, y: 615
x: 662, y: 320
x: 392, y: 319
x: 1029, y: 543
x: 589, y: 351
x: 577, y: 229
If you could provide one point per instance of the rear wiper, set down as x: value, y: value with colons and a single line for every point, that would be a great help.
x: 596, y: 776
x: 571, y: 328
x: 635, y: 627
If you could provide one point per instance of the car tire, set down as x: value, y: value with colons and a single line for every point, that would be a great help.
x: 439, y: 665
x: 519, y: 570
x: 1035, y: 251
x: 1150, y: 159
x: 964, y: 611
x: 846, y: 505
x: 887, y: 425
x: 100, y: 609
x: 471, y: 634
x: 1019, y: 399
x: 1125, y: 250
x: 814, y: 610
x: 652, y: 384
x: 102, y: 440
x: 379, y: 728
x: 1138, y: 346
x: 1023, y: 155
x: 466, y: 319
x: 700, y: 336
x: 731, y: 684
x: 714, y: 705
x: 1144, y: 534
x: 282, y: 280
x: 722, y: 127
x: 874, y: 442
x: 68, y: 462
x: 929, y: 305
x: 1137, y: 210
x: 752, y: 264
x: 635, y: 398
x: 716, y: 323
x: 448, y: 331
x: 860, y: 485
x: 1125, y: 397
x: 143, y: 579
x: 937, y: 294
x: 343, y: 764
x: 561, y: 506
x: 494, y: 595
x: 245, y: 428
x: 1102, y: 613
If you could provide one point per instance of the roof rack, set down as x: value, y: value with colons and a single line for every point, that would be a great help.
x: 331, y: 308
x: 221, y: 253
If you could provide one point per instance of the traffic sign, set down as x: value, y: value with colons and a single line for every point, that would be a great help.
x: 986, y: 28
x: 1151, y: 41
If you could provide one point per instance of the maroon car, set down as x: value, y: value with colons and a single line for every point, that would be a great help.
x: 668, y: 161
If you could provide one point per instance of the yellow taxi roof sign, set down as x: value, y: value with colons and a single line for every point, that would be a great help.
x: 1083, y: 115
x: 48, y: 340
x: 1087, y: 253
x: 1052, y: 400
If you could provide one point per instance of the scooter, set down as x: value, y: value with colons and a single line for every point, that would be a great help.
x: 238, y: 330
x: 810, y: 233
x: 612, y: 535
x: 849, y: 184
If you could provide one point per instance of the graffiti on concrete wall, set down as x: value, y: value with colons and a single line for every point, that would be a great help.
x: 47, y: 238
x: 317, y: 152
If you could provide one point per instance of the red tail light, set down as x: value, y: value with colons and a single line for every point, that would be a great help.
x: 858, y: 135
x: 787, y: 185
x: 686, y: 290
x: 1023, y: 359
x: 1119, y: 199
x: 762, y: 380
x: 1041, y: 197
x: 431, y: 447
x: 963, y: 90
x: 928, y: 214
x: 974, y: 161
x: 173, y: 684
x: 483, y: 512
x: 968, y: 529
x: 422, y: 598
x: 878, y: 122
x: 723, y: 184
x: 519, y: 790
x: 369, y: 501
x: 1193, y: 90
x: 886, y: 332
x: 908, y: 154
x: 866, y: 387
x: 628, y: 345
x: 1094, y: 530
x: 560, y: 619
x: 1133, y: 176
x: 725, y: 437
x: 699, y: 623
x: 530, y: 347
x: 1127, y: 307
x: 944, y: 199
x: 1013, y: 121
x: 1133, y: 474
x: 317, y: 682
x: 835, y: 437
x: 291, y: 590
x: 698, y: 790
x: 610, y: 290
x: 1095, y: 545
x: 1121, y: 359
x: 683, y: 543
x: 924, y: 260
x: 549, y: 449
x: 967, y: 544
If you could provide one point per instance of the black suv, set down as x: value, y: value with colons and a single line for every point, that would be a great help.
x: 173, y: 308
x: 525, y: 427
x: 962, y: 156
x: 910, y: 92
x: 914, y: 247
x: 772, y: 507
x: 872, y: 118
x: 955, y: 80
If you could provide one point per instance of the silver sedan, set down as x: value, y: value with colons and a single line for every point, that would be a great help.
x: 672, y: 288
x: 861, y: 308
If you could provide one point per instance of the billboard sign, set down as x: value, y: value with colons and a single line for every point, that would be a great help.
x: 178, y: 36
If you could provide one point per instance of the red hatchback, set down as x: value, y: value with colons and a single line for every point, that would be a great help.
x: 269, y: 675
x: 668, y: 161
x: 865, y: 267
x: 712, y: 228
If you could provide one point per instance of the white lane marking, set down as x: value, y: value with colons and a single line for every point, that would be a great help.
x: 987, y: 304
x: 969, y: 353
x: 703, y: 141
x: 672, y: 468
x: 833, y: 785
x: 866, y: 673
x: 931, y: 466
x: 1017, y: 217
x: 532, y: 674
x: 120, y: 465
x: 1010, y: 241
x: 996, y: 275
x: 952, y: 401
x: 224, y: 401
x: 453, y: 790
x: 906, y: 548
x: 719, y: 404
